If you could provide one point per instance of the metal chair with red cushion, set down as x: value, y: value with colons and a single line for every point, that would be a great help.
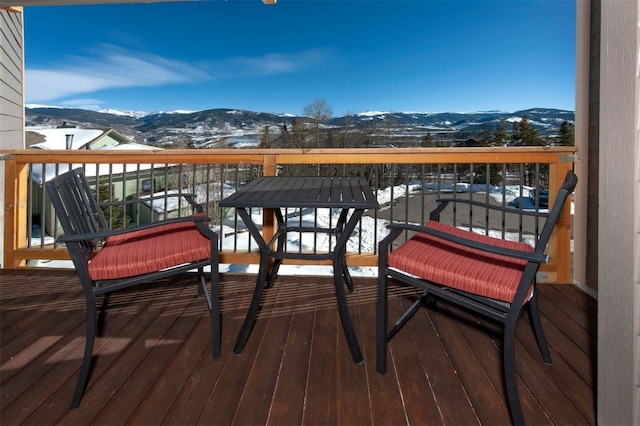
x: 110, y: 260
x: 491, y: 276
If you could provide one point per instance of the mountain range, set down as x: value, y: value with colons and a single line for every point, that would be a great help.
x: 238, y: 128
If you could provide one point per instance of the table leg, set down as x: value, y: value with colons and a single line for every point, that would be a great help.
x: 281, y: 239
x: 343, y: 309
x: 250, y: 319
x: 261, y: 282
x: 340, y: 276
x: 346, y: 276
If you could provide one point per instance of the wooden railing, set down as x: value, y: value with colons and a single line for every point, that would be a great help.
x: 18, y: 164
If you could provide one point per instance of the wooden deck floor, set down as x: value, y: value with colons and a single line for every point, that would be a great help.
x: 154, y: 364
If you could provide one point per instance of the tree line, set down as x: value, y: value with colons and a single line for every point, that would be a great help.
x: 316, y: 133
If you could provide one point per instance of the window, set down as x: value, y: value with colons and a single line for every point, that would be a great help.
x: 147, y: 185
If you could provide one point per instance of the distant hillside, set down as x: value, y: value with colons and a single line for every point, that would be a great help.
x: 239, y: 128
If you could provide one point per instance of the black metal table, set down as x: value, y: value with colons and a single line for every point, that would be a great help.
x: 349, y: 194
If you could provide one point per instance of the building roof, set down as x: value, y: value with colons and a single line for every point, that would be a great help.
x: 56, y: 138
x: 96, y: 139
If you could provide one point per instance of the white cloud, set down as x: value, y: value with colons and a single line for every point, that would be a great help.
x: 270, y: 64
x: 111, y: 67
x: 91, y: 104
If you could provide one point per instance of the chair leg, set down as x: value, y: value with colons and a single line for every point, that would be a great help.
x: 103, y: 312
x: 509, y: 366
x: 202, y: 282
x: 538, y: 330
x: 88, y: 352
x: 381, y: 323
x: 216, y: 326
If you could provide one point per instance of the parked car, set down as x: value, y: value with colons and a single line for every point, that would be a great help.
x: 529, y: 202
x: 543, y: 197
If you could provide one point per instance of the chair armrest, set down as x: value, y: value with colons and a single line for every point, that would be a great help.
x: 191, y: 199
x: 444, y: 203
x: 530, y: 256
x: 105, y: 234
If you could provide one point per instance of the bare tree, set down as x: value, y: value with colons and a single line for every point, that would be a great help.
x: 321, y: 113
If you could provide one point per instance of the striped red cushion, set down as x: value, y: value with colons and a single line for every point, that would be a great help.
x: 466, y: 269
x: 149, y: 250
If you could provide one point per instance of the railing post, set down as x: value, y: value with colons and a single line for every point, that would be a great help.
x: 270, y: 165
x: 15, y: 211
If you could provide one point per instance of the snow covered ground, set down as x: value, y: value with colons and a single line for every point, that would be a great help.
x: 366, y: 235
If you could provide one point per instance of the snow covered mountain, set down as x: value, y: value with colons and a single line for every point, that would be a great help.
x: 240, y: 127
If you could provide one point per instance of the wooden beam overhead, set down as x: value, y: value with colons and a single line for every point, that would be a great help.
x: 13, y: 4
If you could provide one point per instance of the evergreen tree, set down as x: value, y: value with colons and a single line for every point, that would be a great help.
x: 525, y: 135
x: 428, y: 141
x: 500, y: 136
x: 114, y: 215
x: 486, y: 137
x: 567, y: 134
x: 515, y: 134
x: 264, y: 138
x: 285, y: 132
x: 529, y: 135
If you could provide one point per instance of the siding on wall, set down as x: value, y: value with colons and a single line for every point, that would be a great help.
x: 636, y: 416
x: 618, y: 214
x: 11, y: 77
x: 11, y: 95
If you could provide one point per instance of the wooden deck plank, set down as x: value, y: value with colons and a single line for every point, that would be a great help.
x: 116, y: 362
x: 255, y: 402
x: 469, y: 347
x: 61, y: 363
x: 159, y: 353
x: 161, y: 396
x: 569, y: 342
x: 440, y: 372
x: 222, y: 405
x: 570, y: 385
x: 211, y: 383
x: 33, y: 350
x: 288, y: 401
x: 154, y: 361
x: 321, y: 405
x: 183, y: 368
x: 384, y: 395
x: 406, y: 368
x: 354, y: 405
x: 577, y: 305
x: 565, y: 313
x: 27, y: 314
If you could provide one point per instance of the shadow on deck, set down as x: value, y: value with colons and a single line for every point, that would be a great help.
x: 154, y: 361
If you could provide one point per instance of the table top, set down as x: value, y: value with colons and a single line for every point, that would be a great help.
x: 316, y: 192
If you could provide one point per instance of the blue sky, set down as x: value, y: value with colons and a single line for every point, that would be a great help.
x: 426, y: 56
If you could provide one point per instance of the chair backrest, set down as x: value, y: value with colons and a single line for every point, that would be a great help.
x: 569, y: 184
x: 77, y: 211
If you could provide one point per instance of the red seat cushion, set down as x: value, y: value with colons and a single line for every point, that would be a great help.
x: 463, y: 268
x: 149, y: 250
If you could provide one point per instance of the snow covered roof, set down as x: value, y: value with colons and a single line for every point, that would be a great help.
x: 56, y: 138
x: 95, y: 139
